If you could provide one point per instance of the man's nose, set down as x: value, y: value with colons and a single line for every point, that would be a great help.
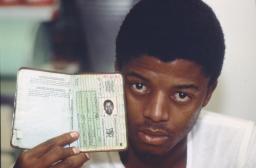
x: 157, y: 108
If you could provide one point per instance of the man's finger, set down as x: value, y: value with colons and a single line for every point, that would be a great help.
x: 57, y: 154
x: 73, y: 161
x: 61, y: 140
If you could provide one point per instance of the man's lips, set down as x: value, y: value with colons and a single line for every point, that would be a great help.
x: 153, y: 136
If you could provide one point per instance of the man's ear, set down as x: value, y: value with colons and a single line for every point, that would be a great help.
x: 210, y: 90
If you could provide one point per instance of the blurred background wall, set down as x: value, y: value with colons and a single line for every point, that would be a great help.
x: 235, y: 94
x: 79, y: 36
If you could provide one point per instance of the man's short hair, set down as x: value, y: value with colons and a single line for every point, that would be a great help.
x: 172, y: 29
x: 108, y: 101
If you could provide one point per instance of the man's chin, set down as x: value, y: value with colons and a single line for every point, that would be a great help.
x: 150, y: 150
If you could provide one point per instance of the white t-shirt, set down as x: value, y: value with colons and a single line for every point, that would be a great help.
x: 216, y: 141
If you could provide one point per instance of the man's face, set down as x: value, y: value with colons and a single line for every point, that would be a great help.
x: 108, y: 107
x: 163, y: 102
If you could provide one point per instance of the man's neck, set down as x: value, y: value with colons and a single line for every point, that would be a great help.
x: 176, y: 158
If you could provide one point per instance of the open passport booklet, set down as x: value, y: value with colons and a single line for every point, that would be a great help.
x: 49, y: 104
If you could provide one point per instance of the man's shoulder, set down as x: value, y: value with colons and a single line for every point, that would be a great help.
x: 209, y: 117
x: 216, y: 135
x: 223, y: 126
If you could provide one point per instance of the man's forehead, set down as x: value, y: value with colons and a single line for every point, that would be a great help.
x: 155, y: 64
x: 178, y: 71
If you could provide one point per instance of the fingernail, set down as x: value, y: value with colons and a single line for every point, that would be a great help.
x: 76, y: 150
x: 74, y: 134
x: 87, y: 155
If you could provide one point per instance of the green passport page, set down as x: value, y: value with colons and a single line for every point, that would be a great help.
x: 49, y: 104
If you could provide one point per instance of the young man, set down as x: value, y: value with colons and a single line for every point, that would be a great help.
x: 171, y: 54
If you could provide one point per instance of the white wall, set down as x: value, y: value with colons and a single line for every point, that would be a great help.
x: 236, y: 92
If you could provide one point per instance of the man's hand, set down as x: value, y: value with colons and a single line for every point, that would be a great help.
x: 53, y: 154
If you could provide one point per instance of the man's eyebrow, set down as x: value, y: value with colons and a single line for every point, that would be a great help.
x: 187, y: 86
x: 134, y: 74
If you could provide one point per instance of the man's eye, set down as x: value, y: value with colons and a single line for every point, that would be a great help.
x: 139, y: 87
x: 181, y: 97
